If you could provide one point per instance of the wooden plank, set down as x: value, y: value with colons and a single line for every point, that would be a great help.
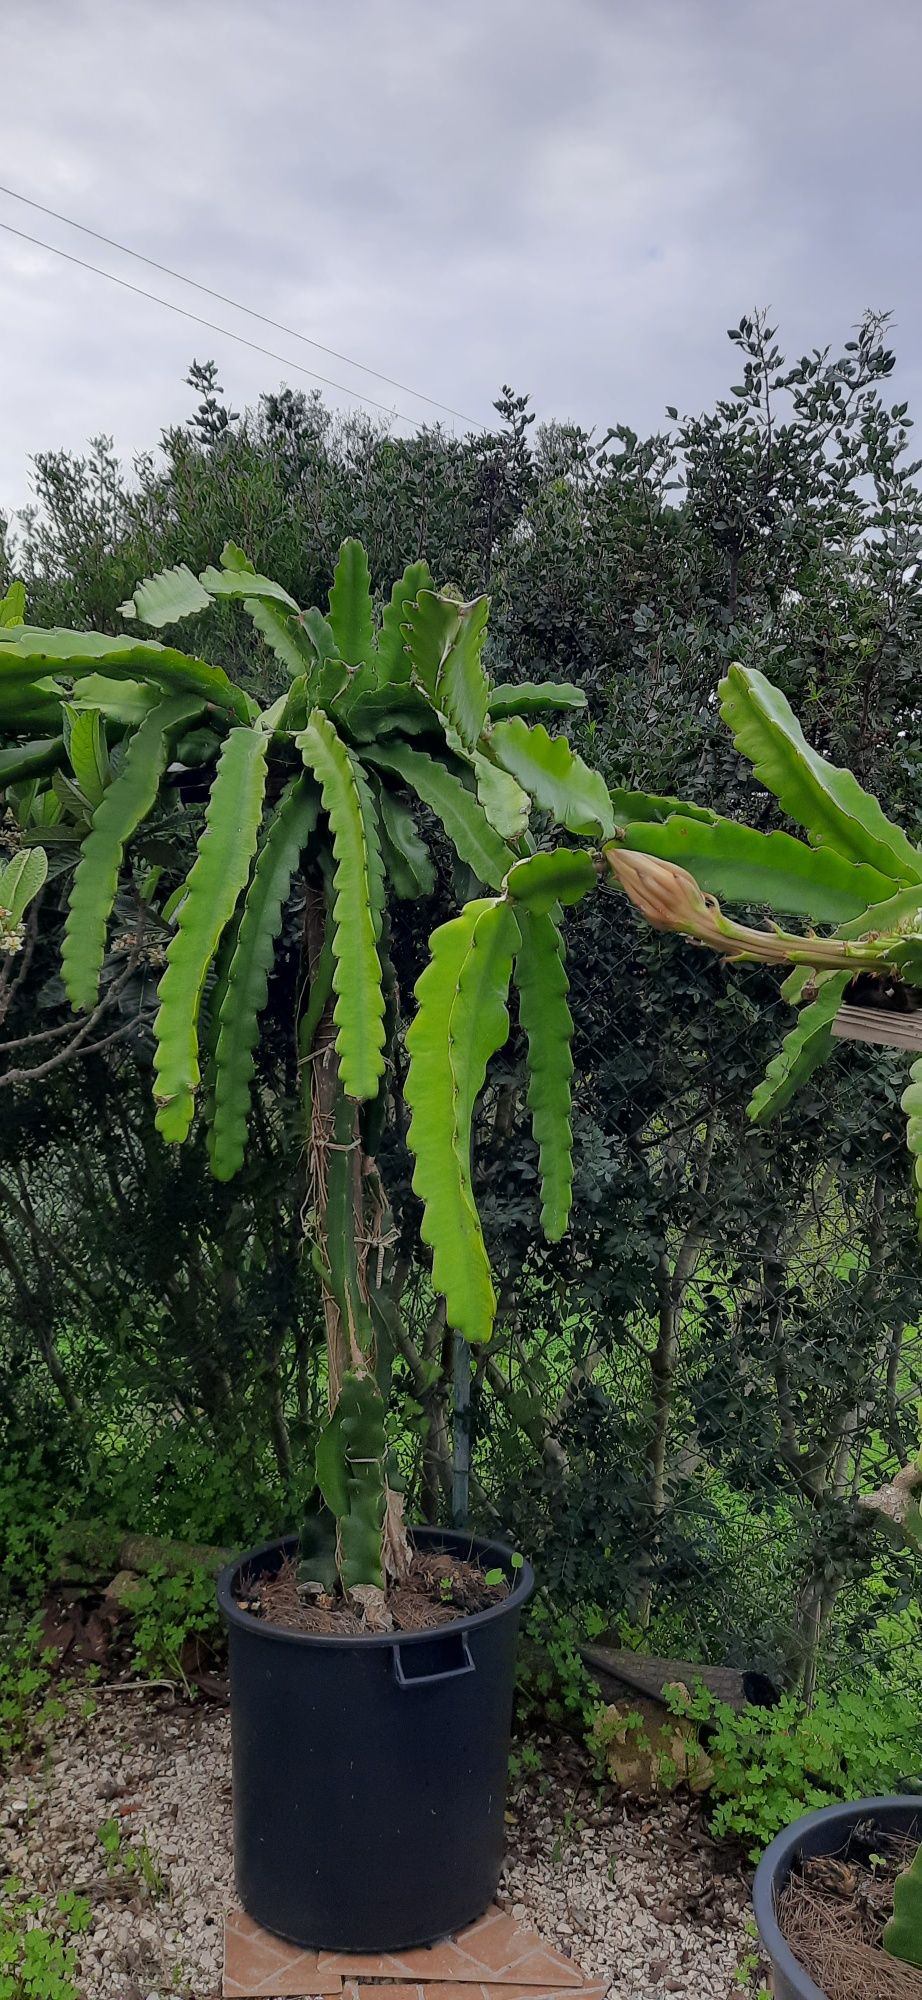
x: 879, y: 1025
x: 619, y: 1671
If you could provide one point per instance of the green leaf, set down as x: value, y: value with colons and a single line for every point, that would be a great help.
x: 243, y: 584
x: 284, y: 634
x: 564, y: 876
x: 393, y: 711
x: 234, y: 557
x: 445, y: 641
x: 246, y: 984
x: 122, y: 702
x: 406, y: 856
x: 461, y: 687
x: 746, y: 866
x: 30, y: 760
x: 911, y: 1102
x: 793, y: 988
x: 218, y: 874
x: 350, y: 616
x: 328, y: 680
x: 35, y: 653
x: 534, y: 698
x: 630, y: 806
x: 542, y: 982
x: 123, y: 806
x: 75, y: 805
x: 393, y: 659
x: 24, y: 709
x: 88, y: 753
x: 901, y: 912
x: 828, y: 801
x: 13, y: 605
x: 321, y: 635
x: 557, y: 779
x: 506, y: 806
x: 167, y: 598
x: 20, y: 882
x: 460, y: 1023
x: 431, y: 624
x: 359, y: 891
x: 463, y: 818
x: 801, y: 1052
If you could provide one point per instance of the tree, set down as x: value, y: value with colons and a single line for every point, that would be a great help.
x: 613, y: 568
x: 311, y: 790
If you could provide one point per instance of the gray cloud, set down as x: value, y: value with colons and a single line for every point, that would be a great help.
x: 577, y: 196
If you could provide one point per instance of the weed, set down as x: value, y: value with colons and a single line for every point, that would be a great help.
x: 130, y: 1863
x: 37, y: 1958
x: 749, y: 1969
x: 169, y: 1611
x: 552, y: 1677
x: 26, y: 1706
x: 772, y: 1764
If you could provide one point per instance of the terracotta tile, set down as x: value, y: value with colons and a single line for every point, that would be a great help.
x: 445, y: 1990
x: 494, y: 1951
x: 257, y: 1963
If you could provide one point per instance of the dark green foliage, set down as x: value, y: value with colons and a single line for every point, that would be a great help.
x: 773, y: 1764
x: 776, y: 528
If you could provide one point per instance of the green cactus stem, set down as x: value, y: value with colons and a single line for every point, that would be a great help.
x: 903, y: 1935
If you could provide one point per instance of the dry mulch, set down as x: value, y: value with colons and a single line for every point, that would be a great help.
x: 438, y: 1590
x: 833, y: 1914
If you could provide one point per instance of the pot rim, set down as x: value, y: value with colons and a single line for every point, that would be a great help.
x: 780, y: 1854
x: 522, y: 1588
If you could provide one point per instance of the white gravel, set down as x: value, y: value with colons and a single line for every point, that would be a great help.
x: 164, y: 1772
x: 638, y: 1897
x: 639, y: 1901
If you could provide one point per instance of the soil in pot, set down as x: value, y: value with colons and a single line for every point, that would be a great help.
x: 833, y: 1911
x: 438, y: 1589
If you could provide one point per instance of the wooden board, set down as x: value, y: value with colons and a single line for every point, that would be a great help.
x: 879, y: 1025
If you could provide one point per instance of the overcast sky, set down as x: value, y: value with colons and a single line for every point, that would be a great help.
x: 575, y: 196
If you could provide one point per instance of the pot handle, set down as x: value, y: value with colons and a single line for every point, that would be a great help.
x: 410, y: 1680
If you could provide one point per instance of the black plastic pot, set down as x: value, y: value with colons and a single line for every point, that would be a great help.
x: 370, y: 1774
x: 823, y: 1832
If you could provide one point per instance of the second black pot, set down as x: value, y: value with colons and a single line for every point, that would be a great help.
x: 824, y: 1832
x: 370, y: 1774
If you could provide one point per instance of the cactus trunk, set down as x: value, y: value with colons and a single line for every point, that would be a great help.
x: 351, y: 1453
x: 903, y: 1935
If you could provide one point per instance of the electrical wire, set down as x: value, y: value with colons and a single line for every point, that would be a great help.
x: 211, y: 325
x: 112, y: 243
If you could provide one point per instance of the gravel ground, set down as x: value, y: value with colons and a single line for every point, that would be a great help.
x: 640, y: 1901
x: 638, y: 1896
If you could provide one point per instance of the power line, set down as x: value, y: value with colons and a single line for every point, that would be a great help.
x: 210, y: 324
x: 279, y: 326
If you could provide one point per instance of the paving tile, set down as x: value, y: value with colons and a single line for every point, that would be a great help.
x: 494, y: 1951
x: 446, y: 1990
x: 256, y: 1963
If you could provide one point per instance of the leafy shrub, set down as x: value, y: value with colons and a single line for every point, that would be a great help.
x: 772, y: 1764
x: 553, y: 1681
x: 170, y: 1611
x: 26, y: 1704
x: 37, y: 1958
